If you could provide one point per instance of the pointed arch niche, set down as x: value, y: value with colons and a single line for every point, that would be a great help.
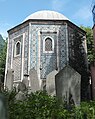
x: 17, y: 48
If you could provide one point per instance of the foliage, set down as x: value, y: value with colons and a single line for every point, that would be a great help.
x: 1, y: 42
x: 3, y: 61
x: 37, y: 105
x: 90, y: 43
x: 40, y: 105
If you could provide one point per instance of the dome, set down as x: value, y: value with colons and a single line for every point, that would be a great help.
x: 47, y: 15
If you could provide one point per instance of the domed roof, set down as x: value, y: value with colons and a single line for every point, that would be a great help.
x: 47, y: 15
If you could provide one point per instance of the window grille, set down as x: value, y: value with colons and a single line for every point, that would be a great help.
x: 48, y: 44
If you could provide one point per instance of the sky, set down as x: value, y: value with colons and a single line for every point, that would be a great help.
x: 13, y: 12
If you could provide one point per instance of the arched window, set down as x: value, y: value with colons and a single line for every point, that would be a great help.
x: 48, y: 44
x: 17, y: 48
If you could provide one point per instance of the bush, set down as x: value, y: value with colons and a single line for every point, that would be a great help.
x: 40, y: 105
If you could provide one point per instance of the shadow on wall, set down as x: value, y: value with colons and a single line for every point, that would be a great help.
x: 78, y: 61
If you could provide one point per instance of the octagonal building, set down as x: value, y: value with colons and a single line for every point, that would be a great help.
x: 43, y: 42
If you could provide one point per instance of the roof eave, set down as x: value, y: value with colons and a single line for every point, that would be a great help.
x: 30, y: 20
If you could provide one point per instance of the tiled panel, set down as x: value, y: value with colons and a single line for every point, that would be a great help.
x: 48, y: 61
x: 17, y: 69
x: 26, y: 53
x: 9, y: 53
x: 62, y: 47
x: 17, y: 61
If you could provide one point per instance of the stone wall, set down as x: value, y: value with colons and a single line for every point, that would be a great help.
x: 76, y: 45
x: 15, y: 62
x: 48, y: 61
x: 78, y: 57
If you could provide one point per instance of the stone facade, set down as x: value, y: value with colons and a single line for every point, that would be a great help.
x: 32, y: 55
x: 16, y: 62
x: 31, y: 35
x: 48, y: 61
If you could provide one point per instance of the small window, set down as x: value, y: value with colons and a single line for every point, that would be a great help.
x: 17, y: 48
x: 48, y: 44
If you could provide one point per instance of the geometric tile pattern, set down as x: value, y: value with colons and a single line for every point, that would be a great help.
x: 17, y: 68
x: 17, y: 61
x: 71, y: 42
x: 26, y: 52
x: 9, y: 53
x: 62, y: 49
x: 48, y: 61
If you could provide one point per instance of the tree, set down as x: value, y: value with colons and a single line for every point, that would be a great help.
x: 90, y: 43
x: 3, y: 61
x: 1, y: 42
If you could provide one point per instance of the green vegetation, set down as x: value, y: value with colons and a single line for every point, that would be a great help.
x: 2, y: 58
x: 1, y: 42
x: 40, y: 105
x: 90, y: 44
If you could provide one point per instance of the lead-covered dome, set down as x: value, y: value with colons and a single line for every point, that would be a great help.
x: 46, y: 15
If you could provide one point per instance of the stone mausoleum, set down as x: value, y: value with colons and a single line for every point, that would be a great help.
x: 42, y: 46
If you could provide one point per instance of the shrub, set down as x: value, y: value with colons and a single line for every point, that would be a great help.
x: 40, y: 105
